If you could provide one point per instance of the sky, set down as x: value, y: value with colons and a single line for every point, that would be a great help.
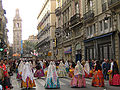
x: 29, y: 10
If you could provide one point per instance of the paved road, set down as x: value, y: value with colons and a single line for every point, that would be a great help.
x: 64, y: 82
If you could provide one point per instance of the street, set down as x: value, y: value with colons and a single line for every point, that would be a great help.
x: 64, y: 82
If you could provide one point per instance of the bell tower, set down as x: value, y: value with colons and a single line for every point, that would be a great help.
x: 17, y: 32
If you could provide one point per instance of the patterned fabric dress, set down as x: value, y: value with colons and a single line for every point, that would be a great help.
x: 39, y: 73
x: 52, y: 80
x: 61, y: 70
x: 98, y: 79
x: 87, y: 69
x: 116, y: 77
x: 78, y: 79
x: 20, y: 67
x: 67, y: 66
x: 27, y: 77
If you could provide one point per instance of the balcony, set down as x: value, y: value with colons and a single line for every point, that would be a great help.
x: 74, y: 19
x: 66, y: 3
x: 104, y: 7
x: 58, y: 11
x: 113, y: 4
x: 89, y: 16
x: 66, y: 25
x: 47, y: 27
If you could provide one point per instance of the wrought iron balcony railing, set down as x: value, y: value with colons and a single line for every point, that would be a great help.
x: 66, y: 25
x: 74, y: 19
x: 88, y: 16
x: 113, y: 3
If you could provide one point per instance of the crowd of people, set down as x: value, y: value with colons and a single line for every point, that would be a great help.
x: 52, y: 70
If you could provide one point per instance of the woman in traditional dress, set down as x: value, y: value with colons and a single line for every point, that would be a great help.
x: 87, y: 69
x: 71, y: 70
x: 61, y: 70
x: 52, y: 80
x: 39, y: 71
x: 115, y: 75
x: 67, y: 66
x: 20, y: 68
x: 98, y: 79
x: 78, y: 79
x: 27, y: 77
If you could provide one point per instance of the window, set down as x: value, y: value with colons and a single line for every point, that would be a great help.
x: 87, y: 31
x: 90, y: 30
x: 100, y: 25
x: 94, y: 28
x: 76, y: 7
x: 90, y: 4
x: 105, y: 25
x: 110, y: 22
x: 17, y: 25
x: 59, y: 23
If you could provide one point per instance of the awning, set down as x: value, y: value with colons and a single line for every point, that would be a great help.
x: 98, y: 37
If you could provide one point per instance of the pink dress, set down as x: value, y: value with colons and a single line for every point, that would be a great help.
x: 116, y: 80
x: 78, y: 81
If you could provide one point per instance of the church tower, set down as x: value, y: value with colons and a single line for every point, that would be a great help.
x: 17, y: 33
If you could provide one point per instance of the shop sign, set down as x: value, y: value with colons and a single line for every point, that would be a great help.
x: 68, y: 50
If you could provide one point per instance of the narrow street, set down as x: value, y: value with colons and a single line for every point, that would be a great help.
x: 64, y: 82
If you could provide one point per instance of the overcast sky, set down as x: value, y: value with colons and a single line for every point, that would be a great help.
x: 29, y: 10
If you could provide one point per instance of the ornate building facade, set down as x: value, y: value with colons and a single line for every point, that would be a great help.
x: 17, y: 32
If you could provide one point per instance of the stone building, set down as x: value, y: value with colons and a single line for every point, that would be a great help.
x: 87, y: 29
x: 17, y: 33
x: 3, y: 31
x: 100, y: 24
x: 69, y: 27
x: 46, y: 29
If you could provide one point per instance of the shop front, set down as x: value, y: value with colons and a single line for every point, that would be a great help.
x: 100, y: 47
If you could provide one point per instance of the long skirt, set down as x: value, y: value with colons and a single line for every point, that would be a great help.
x: 71, y: 73
x: 67, y: 70
x: 78, y: 81
x: 62, y: 73
x: 19, y: 75
x: 39, y: 73
x: 116, y: 80
x: 28, y: 84
x: 98, y: 79
x: 50, y: 84
x: 86, y: 75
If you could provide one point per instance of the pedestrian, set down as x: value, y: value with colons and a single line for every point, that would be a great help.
x: 104, y: 68
x: 27, y: 77
x: 98, y: 79
x: 107, y: 69
x: 115, y: 75
x: 39, y: 71
x: 78, y: 79
x: 52, y: 80
x: 87, y: 69
x: 61, y: 70
x: 20, y: 68
x: 6, y: 83
x: 67, y: 66
x: 110, y: 71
